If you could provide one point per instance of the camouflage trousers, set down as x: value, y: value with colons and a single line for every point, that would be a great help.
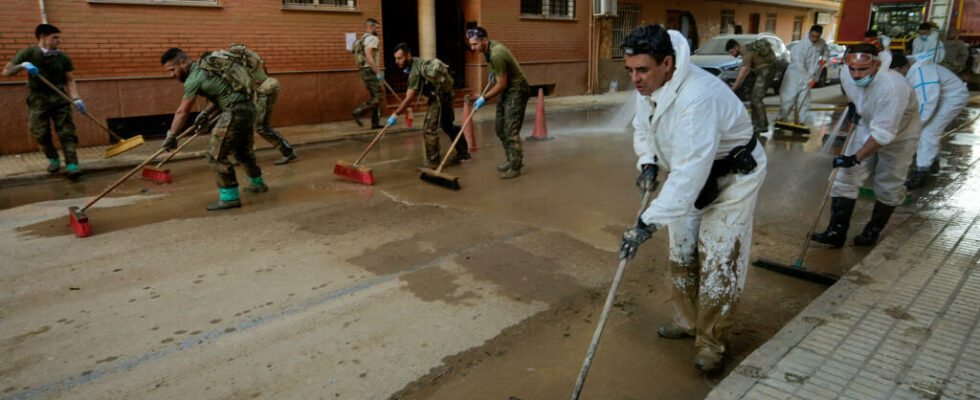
x: 373, y: 103
x: 510, y: 118
x: 763, y: 79
x: 42, y: 111
x: 232, y: 134
x: 265, y: 99
x: 441, y: 115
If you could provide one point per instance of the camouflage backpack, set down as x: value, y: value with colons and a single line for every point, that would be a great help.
x: 360, y: 55
x: 762, y: 48
x: 232, y: 67
x: 435, y: 72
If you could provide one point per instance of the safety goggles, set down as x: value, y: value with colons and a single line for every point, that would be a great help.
x: 473, y: 33
x: 859, y: 60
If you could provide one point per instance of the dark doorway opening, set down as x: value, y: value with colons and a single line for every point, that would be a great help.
x: 754, y: 23
x: 450, y: 38
x: 683, y: 22
x: 400, y: 23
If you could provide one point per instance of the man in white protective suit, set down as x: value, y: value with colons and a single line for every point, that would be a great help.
x: 882, y: 145
x: 800, y: 76
x: 689, y: 124
x: 928, y: 43
x: 941, y: 96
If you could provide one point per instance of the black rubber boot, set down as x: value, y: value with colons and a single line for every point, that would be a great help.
x: 934, y: 167
x: 224, y: 205
x: 917, y: 178
x: 879, y: 218
x: 840, y: 219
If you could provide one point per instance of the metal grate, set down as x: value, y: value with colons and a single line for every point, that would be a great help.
x: 548, y: 8
x: 627, y: 18
x: 771, y: 23
x: 351, y: 4
x: 727, y: 21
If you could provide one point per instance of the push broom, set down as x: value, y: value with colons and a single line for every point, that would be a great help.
x: 354, y: 171
x: 160, y: 175
x: 112, y: 151
x: 76, y: 215
x: 796, y: 126
x: 797, y: 269
x: 587, y: 363
x: 436, y: 176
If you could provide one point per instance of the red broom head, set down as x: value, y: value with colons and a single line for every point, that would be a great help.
x: 349, y: 171
x: 79, y: 222
x: 156, y: 175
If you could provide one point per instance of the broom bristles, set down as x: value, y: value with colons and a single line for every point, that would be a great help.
x: 156, y: 175
x: 358, y: 174
x: 439, y: 178
x: 79, y: 222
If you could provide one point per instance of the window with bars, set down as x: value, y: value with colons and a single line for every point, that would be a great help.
x: 797, y: 28
x: 727, y: 21
x: 560, y: 9
x: 203, y: 3
x: 771, y: 23
x: 627, y: 17
x: 325, y: 4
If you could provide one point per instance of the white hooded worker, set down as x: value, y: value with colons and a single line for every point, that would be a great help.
x: 800, y: 76
x: 928, y: 43
x: 941, y: 96
x: 881, y: 147
x: 691, y: 126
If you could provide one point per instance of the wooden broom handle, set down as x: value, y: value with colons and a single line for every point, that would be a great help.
x: 70, y: 100
x: 452, y: 147
x: 369, y: 146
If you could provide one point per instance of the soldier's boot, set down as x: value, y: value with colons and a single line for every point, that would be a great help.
x: 879, y: 218
x: 917, y: 178
x: 707, y: 360
x: 840, y: 219
x: 288, y: 154
x: 503, y: 167
x: 357, y: 115
x: 376, y: 118
x: 227, y: 198
x: 73, y: 171
x: 54, y: 165
x: 71, y: 160
x: 256, y: 185
x: 672, y: 331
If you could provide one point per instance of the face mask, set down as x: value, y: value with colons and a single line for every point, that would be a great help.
x: 863, y: 81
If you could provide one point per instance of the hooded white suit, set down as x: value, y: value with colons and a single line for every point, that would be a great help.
x: 889, y: 113
x: 803, y: 68
x: 930, y: 47
x: 683, y: 127
x: 941, y: 96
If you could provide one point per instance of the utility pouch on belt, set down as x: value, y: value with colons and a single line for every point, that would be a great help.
x: 739, y: 160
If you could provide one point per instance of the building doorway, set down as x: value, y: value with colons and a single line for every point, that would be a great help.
x: 401, y: 24
x: 754, y: 23
x: 683, y: 22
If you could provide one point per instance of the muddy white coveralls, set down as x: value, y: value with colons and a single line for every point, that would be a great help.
x: 890, y: 114
x: 930, y: 47
x: 803, y: 67
x: 683, y: 128
x: 941, y: 96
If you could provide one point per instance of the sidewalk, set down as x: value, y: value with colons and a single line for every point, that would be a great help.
x: 902, y: 324
x: 31, y: 166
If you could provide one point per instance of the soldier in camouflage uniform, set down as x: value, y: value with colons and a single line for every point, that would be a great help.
x: 757, y: 57
x: 957, y: 52
x: 366, y: 58
x: 230, y: 90
x: 432, y: 79
x: 514, y: 93
x: 44, y: 104
x: 266, y: 94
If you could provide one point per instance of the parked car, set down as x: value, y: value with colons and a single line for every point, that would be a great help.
x: 713, y: 58
x: 831, y: 69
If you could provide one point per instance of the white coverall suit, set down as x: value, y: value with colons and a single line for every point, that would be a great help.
x: 941, y: 96
x: 697, y: 120
x: 803, y: 68
x: 930, y: 46
x: 890, y: 114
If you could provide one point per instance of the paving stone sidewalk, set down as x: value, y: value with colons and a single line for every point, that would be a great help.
x: 902, y: 324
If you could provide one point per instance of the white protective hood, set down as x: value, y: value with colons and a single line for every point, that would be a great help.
x: 884, y: 106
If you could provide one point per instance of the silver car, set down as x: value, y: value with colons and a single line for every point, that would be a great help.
x: 713, y: 58
x: 830, y: 71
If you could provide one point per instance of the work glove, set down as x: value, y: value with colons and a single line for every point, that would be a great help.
x: 479, y: 103
x: 79, y: 105
x: 31, y: 69
x: 381, y: 77
x: 811, y: 83
x: 851, y: 113
x: 634, y: 237
x: 201, y: 119
x: 170, y: 143
x: 647, y: 181
x: 843, y: 161
x: 392, y: 120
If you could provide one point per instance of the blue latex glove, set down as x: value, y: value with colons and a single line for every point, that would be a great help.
x: 80, y: 106
x: 381, y: 77
x: 31, y: 69
x: 843, y: 161
x: 392, y: 120
x: 479, y: 103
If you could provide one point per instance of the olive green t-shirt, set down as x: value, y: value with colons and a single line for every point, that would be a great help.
x: 202, y: 83
x: 500, y: 61
x: 52, y: 67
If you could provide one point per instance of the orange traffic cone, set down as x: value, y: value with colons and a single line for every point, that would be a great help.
x: 540, y: 122
x: 468, y: 129
x: 408, y: 117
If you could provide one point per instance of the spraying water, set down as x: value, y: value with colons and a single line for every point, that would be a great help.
x: 608, y: 114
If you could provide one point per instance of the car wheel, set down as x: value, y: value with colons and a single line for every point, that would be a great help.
x: 823, y: 78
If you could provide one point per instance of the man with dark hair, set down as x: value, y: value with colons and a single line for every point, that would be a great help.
x: 432, y: 79
x: 45, y: 105
x: 514, y: 93
x: 366, y: 59
x: 941, y: 95
x: 227, y: 85
x: 801, y: 75
x: 927, y: 44
x: 757, y: 57
x: 881, y: 145
x: 689, y: 124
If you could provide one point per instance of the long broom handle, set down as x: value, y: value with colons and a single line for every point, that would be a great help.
x: 580, y: 381
x: 70, y: 100
x: 826, y: 195
x: 131, y: 172
x: 369, y: 146
x: 386, y: 85
x: 186, y: 142
x: 452, y: 147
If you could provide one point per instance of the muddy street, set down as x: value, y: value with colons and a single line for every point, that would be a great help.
x: 324, y: 288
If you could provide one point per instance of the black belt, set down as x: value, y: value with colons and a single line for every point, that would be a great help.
x: 739, y: 160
